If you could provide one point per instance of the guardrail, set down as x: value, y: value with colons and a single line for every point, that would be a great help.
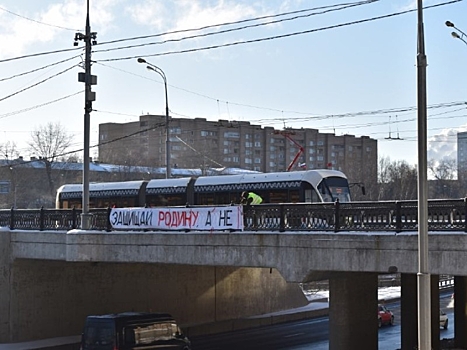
x: 392, y: 216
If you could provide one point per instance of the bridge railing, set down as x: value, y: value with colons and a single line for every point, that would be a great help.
x: 52, y: 219
x: 393, y: 216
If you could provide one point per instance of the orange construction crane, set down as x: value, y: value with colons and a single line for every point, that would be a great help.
x: 286, y: 134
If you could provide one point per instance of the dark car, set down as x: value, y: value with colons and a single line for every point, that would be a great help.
x: 133, y: 330
x: 385, y: 316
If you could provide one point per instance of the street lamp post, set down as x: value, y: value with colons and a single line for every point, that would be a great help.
x: 456, y: 35
x: 159, y: 71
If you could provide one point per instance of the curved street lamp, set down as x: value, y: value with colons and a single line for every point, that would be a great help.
x: 159, y: 71
x: 456, y: 35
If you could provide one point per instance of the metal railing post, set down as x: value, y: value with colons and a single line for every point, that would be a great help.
x: 337, y: 225
x: 109, y: 225
x: 398, y: 217
x: 41, y: 220
x: 465, y: 214
x: 74, y: 218
x: 12, y: 218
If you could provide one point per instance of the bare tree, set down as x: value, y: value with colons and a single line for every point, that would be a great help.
x: 8, y: 150
x: 397, y: 180
x: 49, y: 142
x: 444, y: 184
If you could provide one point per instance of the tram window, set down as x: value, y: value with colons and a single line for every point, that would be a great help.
x: 278, y: 197
x: 294, y: 197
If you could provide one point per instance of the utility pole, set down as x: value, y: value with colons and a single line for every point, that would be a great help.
x: 89, y: 96
x: 423, y: 275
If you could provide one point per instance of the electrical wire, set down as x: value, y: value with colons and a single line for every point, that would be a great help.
x: 282, y: 36
x: 234, y: 22
x: 6, y: 115
x: 38, y: 83
x: 38, y: 69
x: 35, y: 21
x: 233, y: 29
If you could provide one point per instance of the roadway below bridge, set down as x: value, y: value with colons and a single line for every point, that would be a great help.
x: 213, y: 281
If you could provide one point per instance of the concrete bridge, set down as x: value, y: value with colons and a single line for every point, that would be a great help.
x: 211, y: 281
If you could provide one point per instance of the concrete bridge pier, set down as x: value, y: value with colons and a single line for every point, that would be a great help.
x: 409, y: 312
x: 5, y: 259
x: 353, y: 305
x: 460, y: 311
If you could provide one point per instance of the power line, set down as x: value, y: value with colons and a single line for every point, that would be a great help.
x: 234, y: 22
x: 38, y: 83
x: 35, y: 21
x: 242, y: 42
x: 173, y: 32
x: 38, y: 106
x: 235, y: 29
x: 38, y: 69
x: 39, y: 54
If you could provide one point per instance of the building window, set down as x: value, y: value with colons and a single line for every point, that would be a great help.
x: 248, y: 144
x: 257, y: 144
x: 176, y: 130
x: 248, y: 161
x: 232, y: 134
x: 4, y: 187
x: 257, y: 160
x: 312, y: 143
x: 320, y: 143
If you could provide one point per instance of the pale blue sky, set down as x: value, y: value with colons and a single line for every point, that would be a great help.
x: 323, y: 79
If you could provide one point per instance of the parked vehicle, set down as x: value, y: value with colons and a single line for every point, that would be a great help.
x: 385, y: 316
x: 133, y: 330
x: 443, y: 320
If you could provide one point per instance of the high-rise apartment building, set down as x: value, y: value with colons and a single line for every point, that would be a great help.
x: 198, y: 143
x: 462, y: 155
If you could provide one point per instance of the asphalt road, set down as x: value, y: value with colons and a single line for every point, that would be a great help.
x: 309, y: 334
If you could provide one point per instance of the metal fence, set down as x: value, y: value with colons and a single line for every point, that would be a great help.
x: 393, y: 216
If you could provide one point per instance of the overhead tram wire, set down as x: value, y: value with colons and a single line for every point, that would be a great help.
x: 229, y: 30
x: 158, y: 125
x: 306, y: 114
x: 282, y: 36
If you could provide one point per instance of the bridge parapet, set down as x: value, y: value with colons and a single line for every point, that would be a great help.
x: 392, y: 216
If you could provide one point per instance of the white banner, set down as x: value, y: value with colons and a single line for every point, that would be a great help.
x: 176, y: 218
